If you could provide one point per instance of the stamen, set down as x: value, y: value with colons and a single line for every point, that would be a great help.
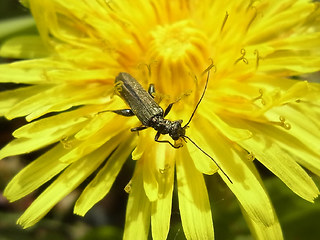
x: 177, y: 233
x: 256, y: 52
x: 282, y: 123
x: 128, y: 187
x: 45, y: 76
x: 148, y: 66
x: 260, y: 97
x: 183, y: 95
x: 287, y: 126
x: 242, y: 58
x: 253, y: 18
x: 66, y: 143
x: 210, y: 67
x: 251, y: 4
x: 118, y: 88
x: 224, y: 21
x: 165, y: 169
x: 251, y: 157
x: 108, y: 4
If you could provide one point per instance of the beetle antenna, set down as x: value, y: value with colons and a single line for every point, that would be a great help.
x: 224, y: 173
x: 204, y: 91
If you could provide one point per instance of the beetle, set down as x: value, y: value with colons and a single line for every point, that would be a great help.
x: 150, y: 114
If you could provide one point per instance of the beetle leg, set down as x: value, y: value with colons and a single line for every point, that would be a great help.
x: 170, y: 106
x: 151, y: 90
x: 124, y: 112
x: 168, y: 109
x: 156, y: 137
x: 137, y: 129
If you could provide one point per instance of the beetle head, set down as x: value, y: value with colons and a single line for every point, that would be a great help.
x: 176, y: 131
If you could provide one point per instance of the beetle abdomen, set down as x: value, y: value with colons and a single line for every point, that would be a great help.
x: 138, y: 99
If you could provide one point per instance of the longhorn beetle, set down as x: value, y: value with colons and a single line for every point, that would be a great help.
x: 151, y: 114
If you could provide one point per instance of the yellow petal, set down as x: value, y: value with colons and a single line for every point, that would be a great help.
x: 48, y: 130
x: 37, y: 8
x: 279, y: 161
x: 245, y: 181
x: 303, y: 127
x: 194, y: 203
x: 293, y: 65
x: 50, y: 125
x: 102, y: 183
x: 145, y: 140
x: 11, y: 97
x: 11, y: 73
x: 161, y: 208
x: 150, y: 171
x: 273, y: 25
x: 97, y: 123
x: 234, y: 134
x: 202, y: 162
x: 23, y: 47
x: 139, y: 150
x: 263, y: 232
x: 36, y: 173
x: 95, y: 141
x: 26, y: 145
x: 307, y: 159
x: 51, y: 71
x: 138, y: 209
x: 63, y: 185
x: 57, y: 99
x: 309, y: 41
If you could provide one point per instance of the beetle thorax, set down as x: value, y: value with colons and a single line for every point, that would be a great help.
x: 166, y: 126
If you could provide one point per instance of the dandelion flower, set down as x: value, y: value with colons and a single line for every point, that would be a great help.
x: 252, y: 110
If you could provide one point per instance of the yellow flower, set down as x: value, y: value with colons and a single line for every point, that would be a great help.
x: 252, y: 109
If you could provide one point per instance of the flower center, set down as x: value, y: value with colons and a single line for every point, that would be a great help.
x: 180, y: 52
x: 173, y: 42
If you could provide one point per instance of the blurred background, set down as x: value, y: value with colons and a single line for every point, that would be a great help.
x: 300, y: 220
